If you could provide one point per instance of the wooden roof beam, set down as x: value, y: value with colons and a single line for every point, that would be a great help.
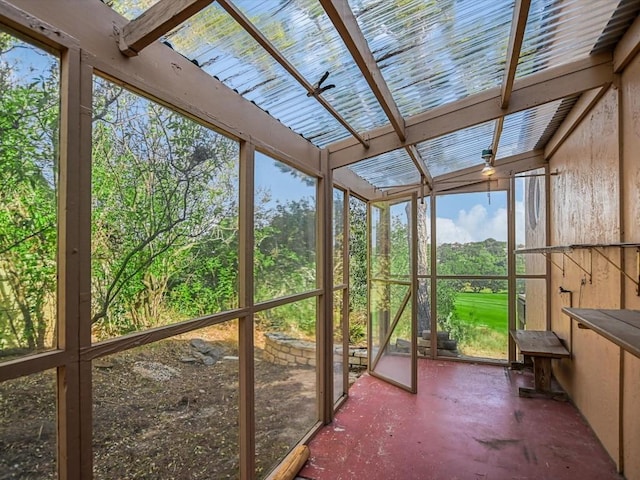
x: 497, y: 133
x: 155, y: 22
x: 533, y: 90
x: 420, y: 164
x: 579, y: 111
x: 271, y: 49
x: 344, y: 21
x: 627, y: 47
x: 518, y: 25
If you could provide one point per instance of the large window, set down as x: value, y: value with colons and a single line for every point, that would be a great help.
x: 471, y: 254
x: 164, y: 215
x: 29, y: 119
x: 285, y: 230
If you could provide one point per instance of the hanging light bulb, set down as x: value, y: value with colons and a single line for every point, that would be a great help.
x: 488, y: 169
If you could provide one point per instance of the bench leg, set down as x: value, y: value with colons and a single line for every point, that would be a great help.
x: 542, y: 373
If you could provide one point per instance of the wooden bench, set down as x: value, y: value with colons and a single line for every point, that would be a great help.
x: 541, y: 346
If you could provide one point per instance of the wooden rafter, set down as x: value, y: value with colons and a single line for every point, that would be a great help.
x: 518, y: 24
x: 258, y: 36
x: 580, y: 110
x: 420, y: 164
x: 627, y: 47
x: 344, y: 21
x: 497, y: 133
x: 155, y: 22
x: 533, y: 90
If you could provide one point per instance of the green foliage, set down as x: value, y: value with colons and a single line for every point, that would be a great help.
x: 357, y: 271
x: 29, y: 112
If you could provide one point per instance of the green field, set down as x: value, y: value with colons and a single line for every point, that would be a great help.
x: 488, y: 309
x: 483, y: 317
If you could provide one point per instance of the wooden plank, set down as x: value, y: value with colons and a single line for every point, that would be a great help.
x: 627, y: 48
x: 292, y: 464
x: 605, y: 323
x: 518, y: 24
x: 155, y: 22
x: 528, y: 92
x: 344, y: 21
x: 539, y: 343
x: 579, y: 111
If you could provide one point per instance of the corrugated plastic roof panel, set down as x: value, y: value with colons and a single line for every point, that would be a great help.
x: 457, y: 150
x: 304, y: 34
x: 391, y: 169
x: 522, y: 130
x: 433, y: 53
x: 559, y: 32
x: 226, y: 51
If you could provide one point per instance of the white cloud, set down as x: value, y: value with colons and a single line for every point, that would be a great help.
x: 478, y: 224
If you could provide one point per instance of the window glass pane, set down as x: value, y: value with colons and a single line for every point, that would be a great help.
x: 339, y: 388
x: 531, y: 222
x: 531, y: 304
x: 338, y: 236
x: 285, y: 380
x: 471, y: 234
x: 473, y: 323
x: 164, y: 215
x: 29, y: 125
x: 285, y: 230
x: 28, y: 427
x: 357, y: 272
x: 169, y: 409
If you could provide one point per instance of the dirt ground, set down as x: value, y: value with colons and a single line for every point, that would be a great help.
x: 159, y: 412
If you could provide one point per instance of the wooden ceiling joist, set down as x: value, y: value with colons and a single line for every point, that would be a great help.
x: 533, y: 90
x: 497, y: 133
x: 420, y: 164
x: 271, y: 49
x: 155, y: 22
x: 580, y: 110
x: 345, y: 23
x: 520, y: 15
x: 627, y: 47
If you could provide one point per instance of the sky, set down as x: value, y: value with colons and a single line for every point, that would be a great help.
x: 462, y: 218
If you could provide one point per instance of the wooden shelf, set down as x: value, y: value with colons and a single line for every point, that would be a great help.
x: 575, y: 246
x: 621, y: 327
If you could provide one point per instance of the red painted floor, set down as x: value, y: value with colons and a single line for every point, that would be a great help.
x: 466, y: 422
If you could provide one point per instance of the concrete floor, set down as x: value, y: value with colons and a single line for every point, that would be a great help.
x: 466, y: 422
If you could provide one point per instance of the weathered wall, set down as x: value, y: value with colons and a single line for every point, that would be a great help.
x: 596, y: 199
x: 630, y: 91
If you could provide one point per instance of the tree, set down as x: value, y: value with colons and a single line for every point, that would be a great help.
x: 29, y: 98
x: 162, y: 185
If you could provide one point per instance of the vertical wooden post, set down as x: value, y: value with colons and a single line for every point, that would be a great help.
x: 413, y: 275
x: 346, y: 292
x: 547, y: 241
x: 84, y: 274
x: 68, y: 389
x: 511, y: 268
x: 246, y: 289
x: 434, y: 298
x: 324, y: 329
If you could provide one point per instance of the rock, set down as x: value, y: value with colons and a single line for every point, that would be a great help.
x: 205, y: 348
x: 206, y: 359
x: 230, y: 357
x: 188, y: 360
x: 155, y: 371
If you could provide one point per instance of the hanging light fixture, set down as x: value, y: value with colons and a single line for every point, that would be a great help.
x: 488, y: 169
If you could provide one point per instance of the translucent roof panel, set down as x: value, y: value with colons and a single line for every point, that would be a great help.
x: 432, y: 53
x: 222, y: 48
x: 391, y: 169
x: 521, y: 131
x: 457, y: 150
x: 304, y: 34
x: 129, y: 9
x: 559, y: 32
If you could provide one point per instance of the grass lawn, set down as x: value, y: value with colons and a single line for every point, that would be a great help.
x: 488, y: 309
